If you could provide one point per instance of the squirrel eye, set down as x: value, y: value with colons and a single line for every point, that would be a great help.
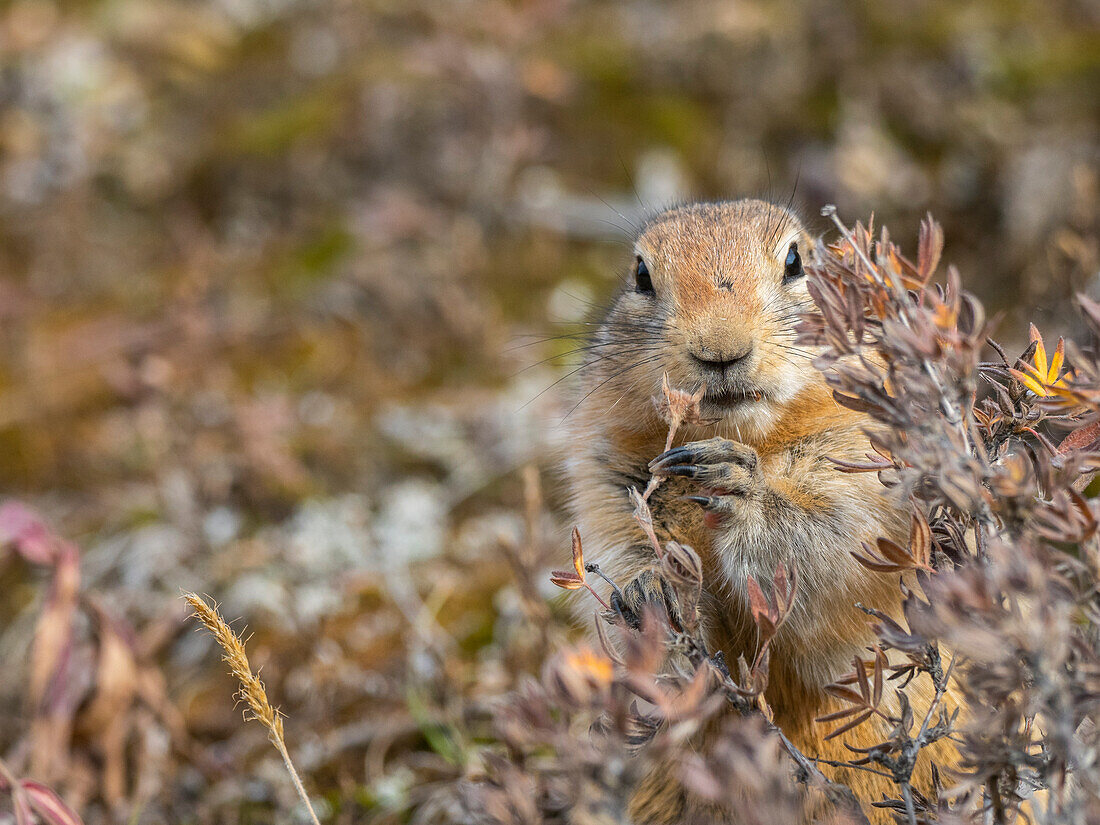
x: 642, y: 282
x: 792, y: 267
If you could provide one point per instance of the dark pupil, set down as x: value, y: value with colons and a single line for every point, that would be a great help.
x: 793, y: 264
x: 641, y: 277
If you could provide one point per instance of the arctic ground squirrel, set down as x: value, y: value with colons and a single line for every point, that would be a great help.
x: 714, y: 296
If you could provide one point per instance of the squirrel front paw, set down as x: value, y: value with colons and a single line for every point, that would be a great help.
x: 727, y: 471
x: 647, y: 588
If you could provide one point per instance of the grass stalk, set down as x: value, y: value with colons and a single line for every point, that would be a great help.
x: 252, y: 689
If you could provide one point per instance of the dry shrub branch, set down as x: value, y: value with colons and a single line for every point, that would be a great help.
x: 1001, y: 578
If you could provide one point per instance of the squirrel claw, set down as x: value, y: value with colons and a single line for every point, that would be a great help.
x: 706, y: 502
x: 647, y: 588
x: 718, y: 464
x: 663, y: 462
x: 686, y: 470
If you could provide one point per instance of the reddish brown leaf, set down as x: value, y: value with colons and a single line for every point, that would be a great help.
x: 578, y: 554
x: 566, y: 579
x: 846, y: 693
x: 48, y: 805
x: 784, y: 587
x: 929, y: 249
x: 21, y: 805
x: 877, y: 566
x: 920, y: 539
x: 1090, y: 308
x: 644, y: 517
x: 758, y: 602
x: 24, y: 529
x: 859, y: 720
x: 861, y: 676
x: 852, y: 403
x: 1080, y: 438
x: 841, y: 714
x: 880, y: 661
x: 894, y: 553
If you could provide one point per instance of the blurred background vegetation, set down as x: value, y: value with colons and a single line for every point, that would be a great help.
x: 274, y: 279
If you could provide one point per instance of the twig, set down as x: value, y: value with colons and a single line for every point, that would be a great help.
x: 951, y: 413
x: 807, y: 771
x: 902, y: 767
x: 682, y: 408
x: 252, y: 689
x: 941, y: 689
x: 592, y: 590
x: 910, y: 808
x: 594, y: 568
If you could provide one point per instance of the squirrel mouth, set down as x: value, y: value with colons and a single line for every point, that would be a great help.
x: 732, y: 397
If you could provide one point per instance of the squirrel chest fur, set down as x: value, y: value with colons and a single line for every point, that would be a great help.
x: 715, y: 294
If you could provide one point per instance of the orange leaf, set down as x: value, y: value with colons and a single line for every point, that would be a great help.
x: 578, y: 554
x: 1029, y: 382
x: 1040, y: 350
x: 1056, y: 361
x: 566, y: 579
x: 589, y: 664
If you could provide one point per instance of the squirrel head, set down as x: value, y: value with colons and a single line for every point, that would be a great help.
x: 713, y: 298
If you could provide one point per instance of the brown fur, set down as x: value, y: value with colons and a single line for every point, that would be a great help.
x: 717, y: 271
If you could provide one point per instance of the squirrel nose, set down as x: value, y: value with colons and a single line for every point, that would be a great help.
x: 720, y: 363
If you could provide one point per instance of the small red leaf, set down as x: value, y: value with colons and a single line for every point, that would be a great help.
x: 758, y: 602
x: 1080, y: 438
x: 880, y: 661
x: 566, y: 579
x: 578, y: 554
x: 845, y: 693
x: 840, y: 714
x: 895, y: 553
x: 861, y: 675
x: 859, y: 720
x: 48, y: 805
